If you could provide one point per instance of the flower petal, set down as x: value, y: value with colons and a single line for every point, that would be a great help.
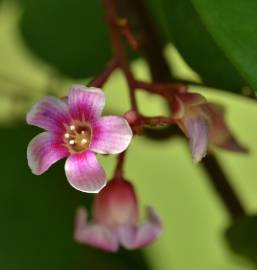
x: 86, y: 103
x: 85, y: 173
x: 219, y: 133
x: 43, y: 151
x: 50, y: 113
x: 127, y: 235
x: 111, y: 135
x: 116, y: 204
x: 184, y: 101
x: 231, y: 144
x: 132, y: 237
x: 192, y: 99
x: 197, y: 130
x: 95, y: 235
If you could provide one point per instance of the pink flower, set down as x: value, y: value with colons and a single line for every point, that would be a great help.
x: 115, y: 220
x: 76, y: 130
x: 203, y: 123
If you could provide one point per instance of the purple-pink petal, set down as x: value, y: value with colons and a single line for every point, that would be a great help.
x: 84, y: 172
x: 95, y: 235
x: 127, y: 235
x: 50, y: 113
x: 231, y: 144
x: 86, y: 103
x: 197, y: 129
x: 43, y: 151
x: 219, y: 134
x: 111, y: 135
x: 132, y: 237
x: 192, y: 99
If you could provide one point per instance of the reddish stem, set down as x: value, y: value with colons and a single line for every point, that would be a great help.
x: 138, y: 121
x: 211, y: 165
x: 164, y: 89
x: 118, y: 173
x: 126, y: 31
x: 157, y: 120
x: 100, y: 80
x: 119, y: 52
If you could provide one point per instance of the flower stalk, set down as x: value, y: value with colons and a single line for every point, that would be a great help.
x: 119, y: 170
x: 101, y: 79
x: 210, y: 163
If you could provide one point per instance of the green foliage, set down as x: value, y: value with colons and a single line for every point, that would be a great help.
x: 233, y: 25
x: 200, y: 46
x: 37, y: 216
x: 70, y: 35
x: 37, y: 212
x: 210, y: 35
x: 242, y: 237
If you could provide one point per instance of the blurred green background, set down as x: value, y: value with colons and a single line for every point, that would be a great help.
x: 37, y: 212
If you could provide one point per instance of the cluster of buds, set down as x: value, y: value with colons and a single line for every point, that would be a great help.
x: 75, y: 129
x: 203, y: 123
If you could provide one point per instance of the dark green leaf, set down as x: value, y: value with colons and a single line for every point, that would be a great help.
x: 233, y: 25
x: 37, y: 215
x: 68, y: 34
x: 199, y: 47
x: 242, y: 237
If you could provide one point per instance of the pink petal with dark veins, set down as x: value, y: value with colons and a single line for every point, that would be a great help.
x: 111, y: 135
x: 84, y: 172
x: 44, y: 150
x: 50, y: 113
x: 86, y: 103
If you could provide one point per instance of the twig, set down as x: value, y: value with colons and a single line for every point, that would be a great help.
x: 149, y: 38
x: 157, y: 120
x: 119, y: 52
x: 210, y: 164
x: 100, y: 80
x: 118, y: 173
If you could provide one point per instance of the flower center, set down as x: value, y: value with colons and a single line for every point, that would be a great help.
x: 78, y: 137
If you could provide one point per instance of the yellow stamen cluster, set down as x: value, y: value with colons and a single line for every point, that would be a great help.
x: 77, y: 137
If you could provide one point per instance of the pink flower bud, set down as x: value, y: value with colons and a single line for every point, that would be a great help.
x: 116, y: 221
x: 203, y: 123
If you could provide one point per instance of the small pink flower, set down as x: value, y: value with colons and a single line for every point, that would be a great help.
x: 76, y: 130
x: 203, y: 123
x: 116, y: 220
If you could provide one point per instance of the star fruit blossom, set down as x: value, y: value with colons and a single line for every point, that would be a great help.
x: 203, y: 123
x: 116, y: 220
x: 76, y: 130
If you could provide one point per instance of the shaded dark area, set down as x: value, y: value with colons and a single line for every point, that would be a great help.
x: 162, y: 133
x: 69, y: 35
x: 144, y: 21
x: 242, y: 237
x: 223, y: 187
